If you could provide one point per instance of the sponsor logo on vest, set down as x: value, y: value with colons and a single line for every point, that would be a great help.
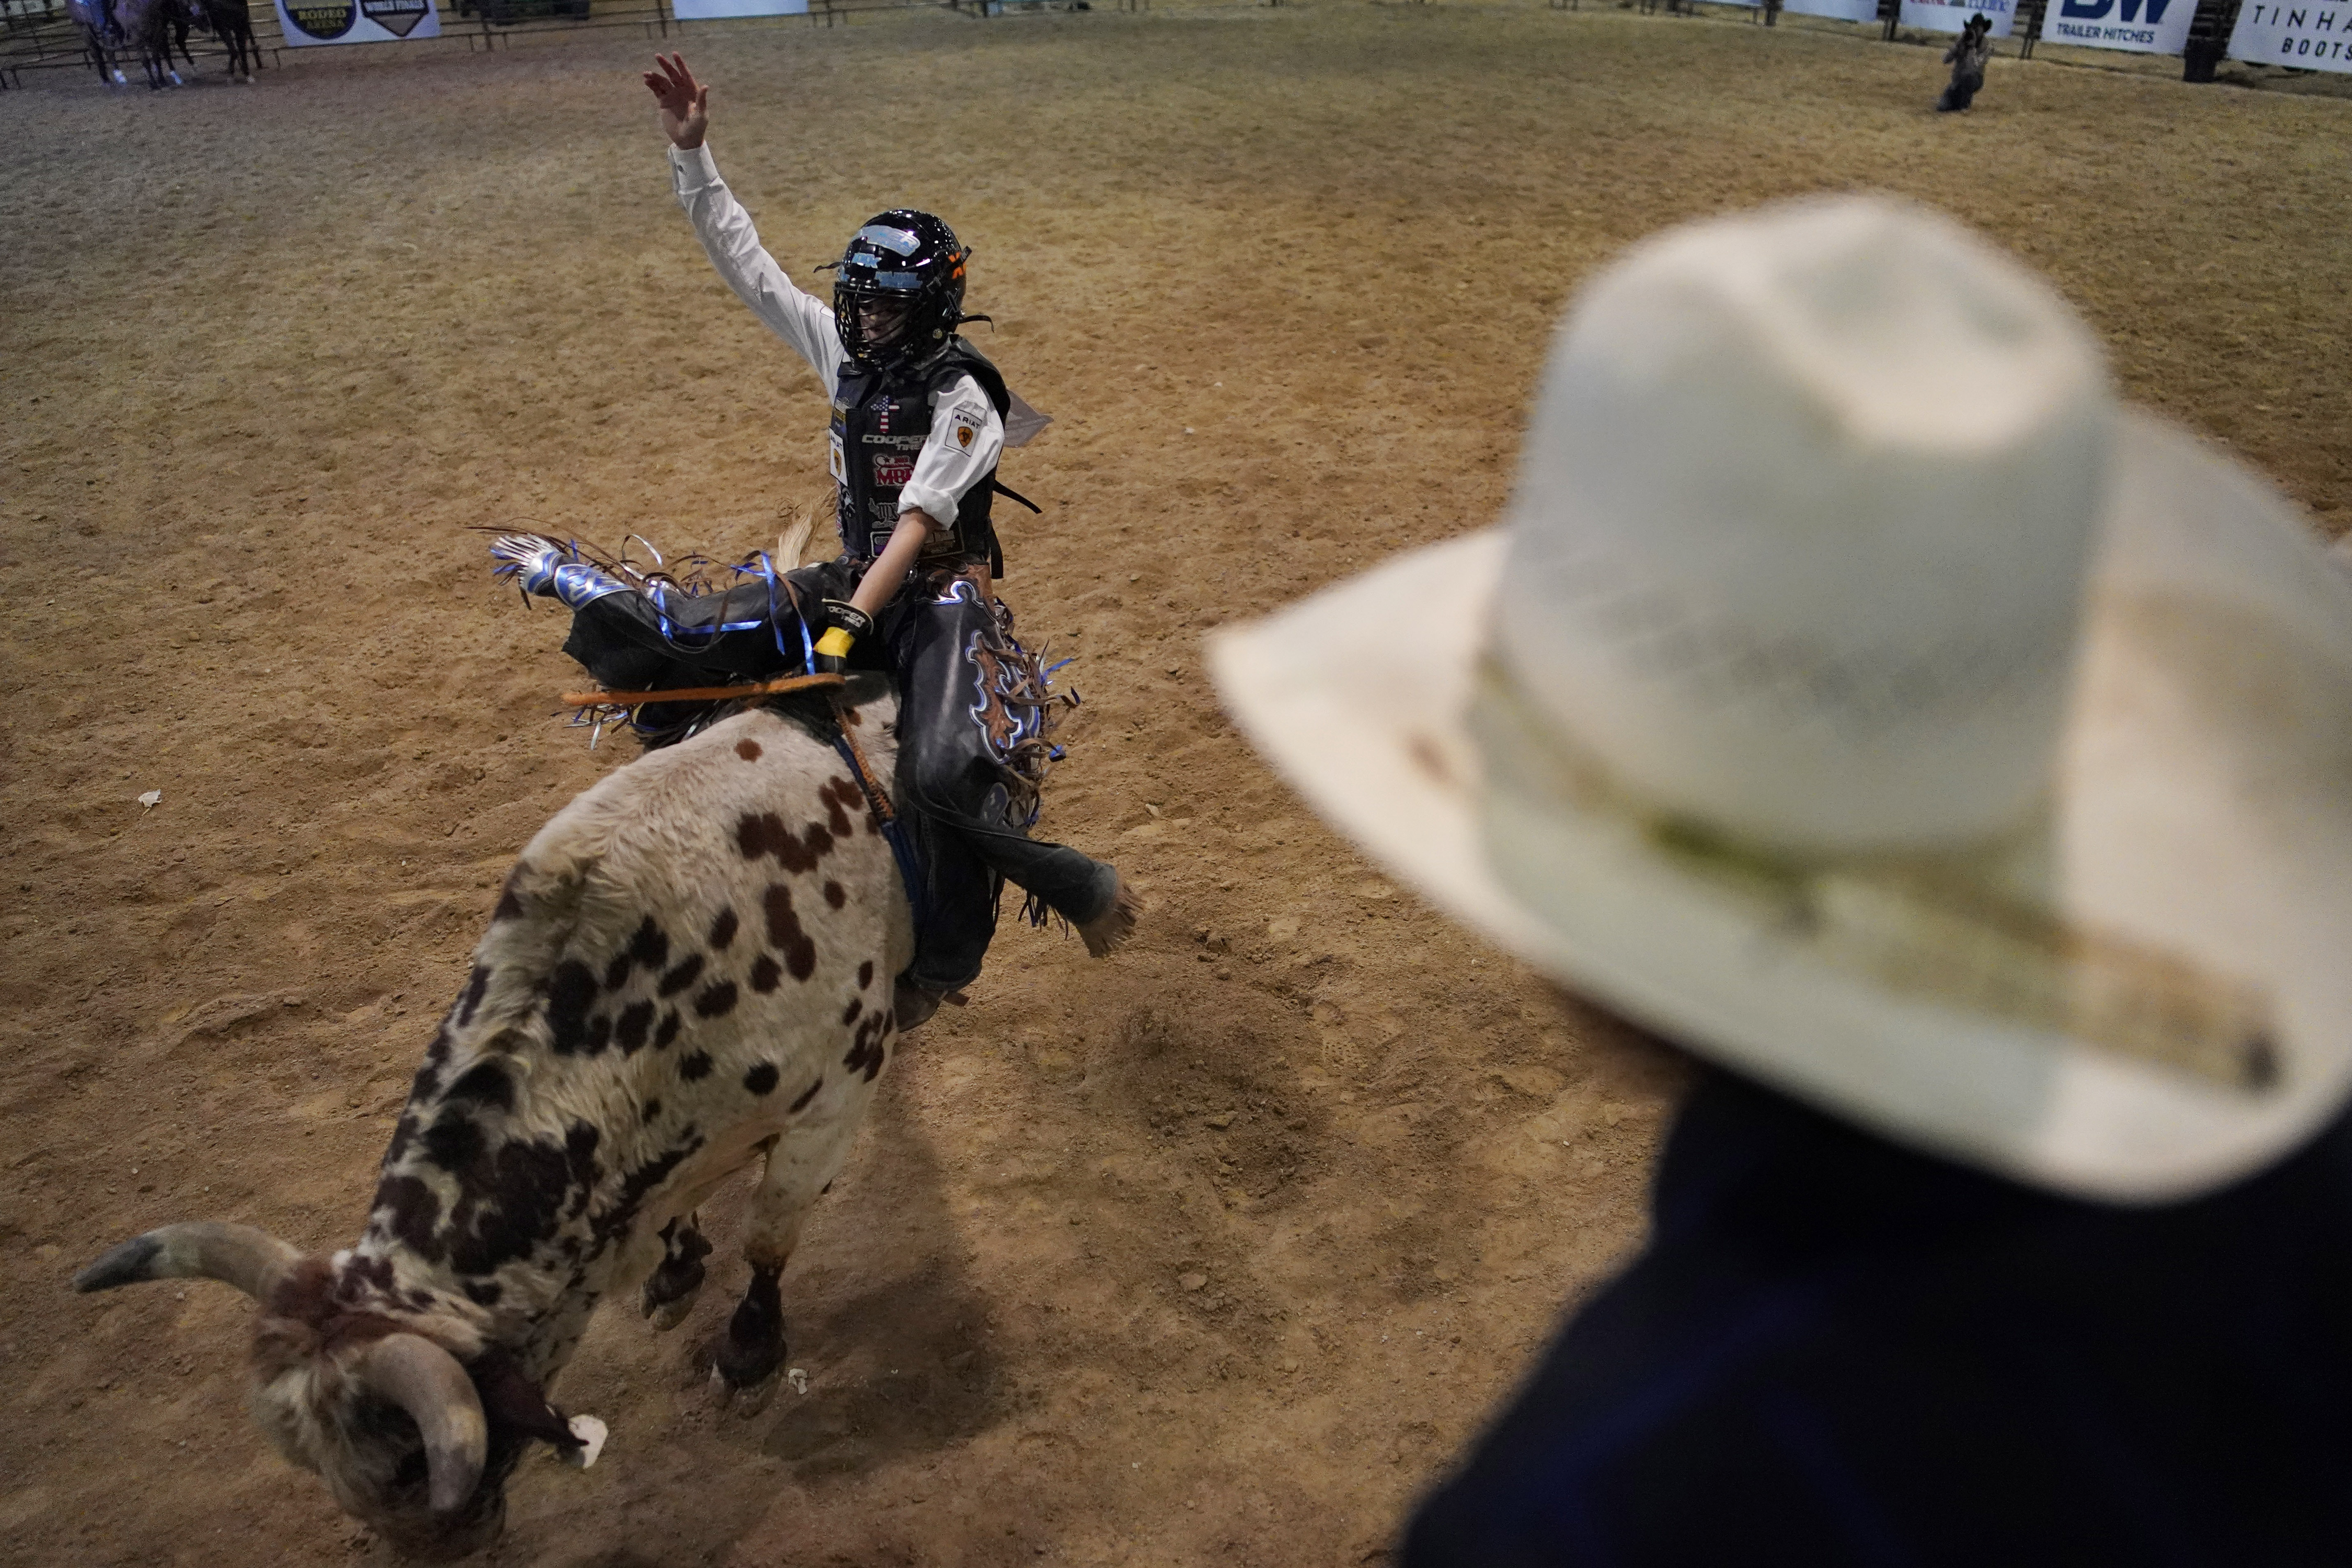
x: 893, y: 468
x: 398, y: 17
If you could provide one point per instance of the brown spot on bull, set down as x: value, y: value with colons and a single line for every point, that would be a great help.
x: 415, y: 1213
x: 694, y: 1067
x: 666, y: 1032
x: 866, y: 1054
x: 765, y: 973
x: 849, y: 1014
x: 748, y: 749
x: 807, y: 1095
x: 511, y: 1198
x: 834, y: 896
x: 766, y: 834
x: 635, y: 1021
x: 834, y: 799
x: 865, y: 974
x: 689, y: 969
x: 486, y: 1084
x: 477, y: 984
x: 723, y: 929
x: 762, y: 1078
x: 716, y: 1001
x: 510, y: 904
x: 648, y: 949
x: 571, y: 992
x: 784, y: 933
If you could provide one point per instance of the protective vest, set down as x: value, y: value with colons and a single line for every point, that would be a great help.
x: 880, y: 420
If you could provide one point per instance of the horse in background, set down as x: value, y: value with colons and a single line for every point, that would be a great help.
x: 231, y: 27
x: 154, y: 27
x: 101, y: 34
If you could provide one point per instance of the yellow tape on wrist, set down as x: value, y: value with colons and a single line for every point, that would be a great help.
x: 835, y: 642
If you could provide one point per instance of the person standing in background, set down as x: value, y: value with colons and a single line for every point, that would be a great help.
x: 1967, y: 56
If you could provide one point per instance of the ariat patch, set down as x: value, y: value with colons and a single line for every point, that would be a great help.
x: 963, y: 430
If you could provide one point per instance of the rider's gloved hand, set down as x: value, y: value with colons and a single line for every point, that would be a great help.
x: 529, y: 560
x: 844, y: 623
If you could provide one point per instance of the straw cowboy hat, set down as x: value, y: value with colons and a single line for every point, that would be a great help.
x: 1857, y: 694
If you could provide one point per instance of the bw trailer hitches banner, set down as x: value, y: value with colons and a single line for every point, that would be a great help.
x: 1951, y: 16
x: 2149, y: 27
x: 709, y: 10
x: 357, y: 21
x: 2315, y: 38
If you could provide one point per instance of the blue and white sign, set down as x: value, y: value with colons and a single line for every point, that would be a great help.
x: 2148, y: 27
x: 1844, y: 10
x: 709, y: 10
x: 1951, y: 16
x: 2316, y: 37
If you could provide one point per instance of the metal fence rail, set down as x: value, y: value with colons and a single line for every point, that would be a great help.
x: 39, y: 34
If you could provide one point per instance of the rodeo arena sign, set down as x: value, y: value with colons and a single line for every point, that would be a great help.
x: 308, y: 22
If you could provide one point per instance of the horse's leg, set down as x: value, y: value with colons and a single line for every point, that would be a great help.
x: 670, y: 1290
x: 801, y: 1165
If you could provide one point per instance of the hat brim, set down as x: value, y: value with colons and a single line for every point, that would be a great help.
x: 2203, y: 808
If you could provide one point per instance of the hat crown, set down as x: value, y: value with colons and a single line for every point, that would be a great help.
x: 1802, y: 523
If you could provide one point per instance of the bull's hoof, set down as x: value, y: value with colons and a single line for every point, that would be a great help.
x: 667, y: 1315
x: 748, y: 1400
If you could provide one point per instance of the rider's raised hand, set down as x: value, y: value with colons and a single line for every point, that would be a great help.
x: 685, y: 102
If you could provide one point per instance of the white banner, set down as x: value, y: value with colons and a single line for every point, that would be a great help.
x: 2317, y: 37
x: 1844, y: 10
x: 1951, y: 16
x: 357, y: 21
x: 709, y: 10
x: 2149, y: 27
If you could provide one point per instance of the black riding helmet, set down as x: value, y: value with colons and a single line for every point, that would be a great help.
x: 898, y: 290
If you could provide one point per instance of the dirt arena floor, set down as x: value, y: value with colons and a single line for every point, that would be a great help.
x: 1212, y: 1253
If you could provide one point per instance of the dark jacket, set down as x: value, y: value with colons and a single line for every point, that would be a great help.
x: 1836, y: 1350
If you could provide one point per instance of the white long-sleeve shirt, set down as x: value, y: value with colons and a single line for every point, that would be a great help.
x: 967, y: 435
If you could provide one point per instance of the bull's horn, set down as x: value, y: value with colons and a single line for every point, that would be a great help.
x: 424, y: 1380
x: 235, y: 1255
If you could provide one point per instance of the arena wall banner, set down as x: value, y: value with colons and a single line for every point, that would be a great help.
x: 1844, y: 10
x: 357, y: 21
x: 2149, y: 27
x: 1951, y: 16
x: 709, y: 10
x: 2314, y: 37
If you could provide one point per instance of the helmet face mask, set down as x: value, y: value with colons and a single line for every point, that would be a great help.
x: 897, y: 291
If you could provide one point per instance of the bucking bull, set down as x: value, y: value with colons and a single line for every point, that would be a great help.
x: 689, y: 971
